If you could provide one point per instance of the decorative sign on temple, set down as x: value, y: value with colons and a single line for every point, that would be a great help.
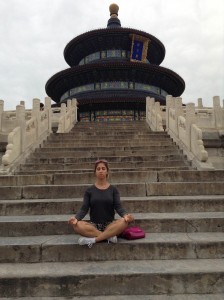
x: 112, y: 71
x: 139, y: 48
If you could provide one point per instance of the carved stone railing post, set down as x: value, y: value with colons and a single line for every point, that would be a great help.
x: 200, y: 103
x: 36, y: 114
x: 74, y: 106
x: 171, y: 116
x: 147, y: 109
x: 20, y: 120
x: 169, y: 99
x: 178, y: 112
x: 159, y: 121
x: 63, y: 109
x: 197, y: 145
x: 68, y: 118
x: 1, y: 113
x: 69, y: 104
x: 47, y: 107
x: 218, y: 113
x: 61, y: 124
x: 190, y: 119
x: 150, y: 102
x: 154, y: 116
x: 69, y: 112
x: 16, y: 138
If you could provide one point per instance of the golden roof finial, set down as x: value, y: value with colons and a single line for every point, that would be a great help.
x: 114, y: 8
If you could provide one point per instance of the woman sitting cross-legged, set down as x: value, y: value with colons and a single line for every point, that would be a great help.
x: 101, y: 200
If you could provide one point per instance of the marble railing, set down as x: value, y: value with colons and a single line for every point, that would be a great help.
x: 68, y: 116
x: 154, y: 114
x: 27, y: 129
x: 186, y: 124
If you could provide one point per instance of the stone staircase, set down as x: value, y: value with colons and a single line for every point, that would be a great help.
x: 181, y: 210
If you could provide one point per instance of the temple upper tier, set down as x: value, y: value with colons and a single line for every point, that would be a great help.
x: 112, y: 71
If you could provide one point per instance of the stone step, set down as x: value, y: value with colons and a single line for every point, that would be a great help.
x: 161, y: 204
x: 89, y: 166
x: 150, y: 222
x: 109, y: 132
x: 110, y: 128
x: 30, y: 169
x: 78, y: 178
x: 132, y: 123
x: 112, y: 131
x: 131, y: 297
x: 111, y: 159
x: 126, y: 190
x: 55, y: 154
x: 115, y: 148
x: 65, y: 248
x: 120, y: 176
x: 141, y: 129
x: 105, y: 143
x: 103, y: 127
x: 112, y: 277
x: 119, y: 125
x: 124, y: 140
x: 98, y: 138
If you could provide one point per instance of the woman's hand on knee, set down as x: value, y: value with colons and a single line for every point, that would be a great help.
x: 72, y: 221
x: 129, y: 218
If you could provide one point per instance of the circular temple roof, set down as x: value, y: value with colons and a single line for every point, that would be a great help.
x: 110, y: 38
x: 155, y: 75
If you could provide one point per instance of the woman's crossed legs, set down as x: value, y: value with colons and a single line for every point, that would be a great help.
x: 89, y: 230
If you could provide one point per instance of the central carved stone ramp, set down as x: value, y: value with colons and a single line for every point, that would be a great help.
x: 181, y: 210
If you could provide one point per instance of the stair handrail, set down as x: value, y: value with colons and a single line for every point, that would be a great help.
x: 8, y: 119
x: 28, y: 134
x: 68, y: 117
x: 153, y: 114
x: 13, y: 148
x: 182, y: 127
x: 197, y: 145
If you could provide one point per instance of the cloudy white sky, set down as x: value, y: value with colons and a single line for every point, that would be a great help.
x: 34, y: 33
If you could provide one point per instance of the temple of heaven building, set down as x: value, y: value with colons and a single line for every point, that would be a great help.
x: 112, y: 71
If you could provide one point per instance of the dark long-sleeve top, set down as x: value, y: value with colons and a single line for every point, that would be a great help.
x: 101, y: 204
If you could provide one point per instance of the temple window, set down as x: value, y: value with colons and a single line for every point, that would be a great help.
x: 116, y: 85
x: 111, y: 53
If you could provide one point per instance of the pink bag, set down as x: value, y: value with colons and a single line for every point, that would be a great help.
x: 133, y: 233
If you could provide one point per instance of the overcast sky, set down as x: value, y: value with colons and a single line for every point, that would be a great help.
x: 34, y: 33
